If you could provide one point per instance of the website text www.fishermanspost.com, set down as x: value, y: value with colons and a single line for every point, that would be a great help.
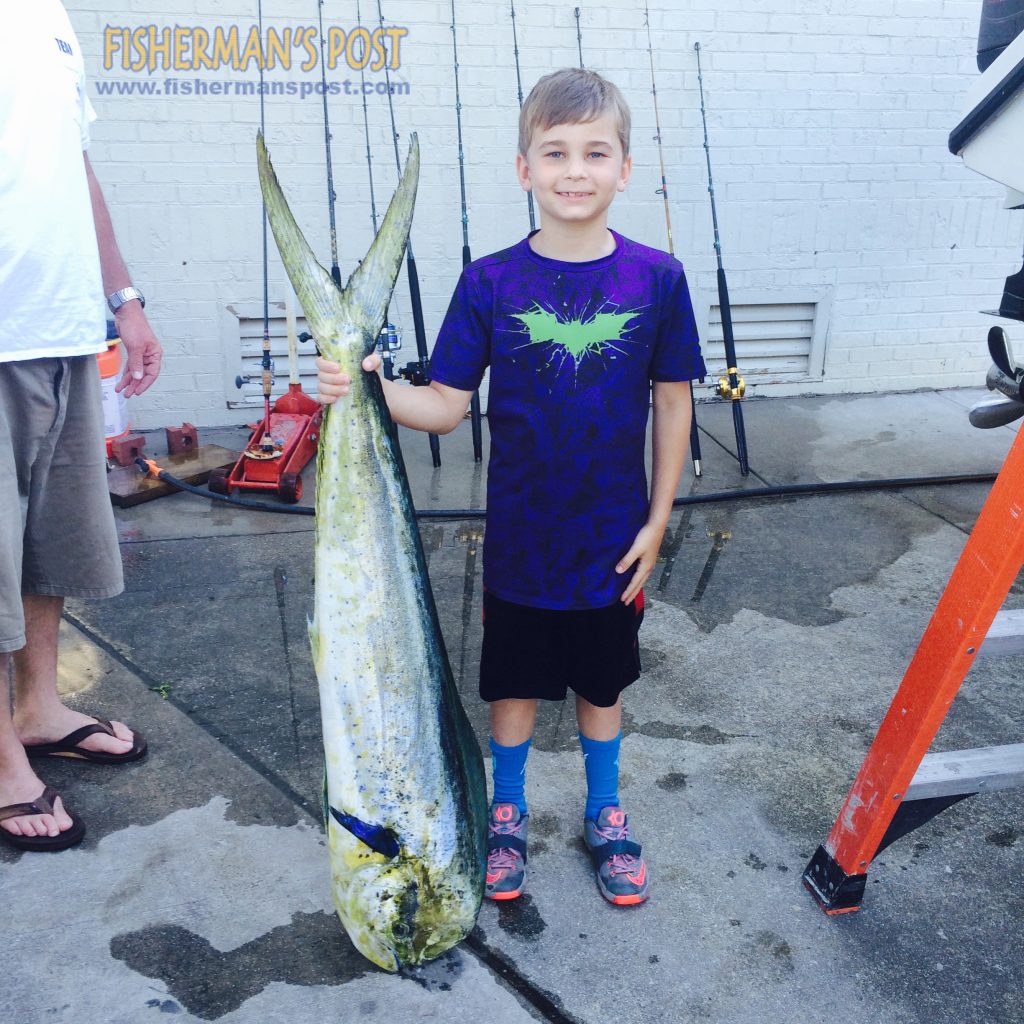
x: 198, y: 87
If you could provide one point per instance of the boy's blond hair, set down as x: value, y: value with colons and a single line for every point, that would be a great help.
x: 572, y: 96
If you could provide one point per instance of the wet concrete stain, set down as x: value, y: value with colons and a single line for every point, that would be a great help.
x: 712, y: 582
x: 520, y: 918
x: 672, y: 782
x: 753, y: 861
x: 651, y: 659
x: 543, y: 825
x: 311, y: 950
x: 439, y: 975
x: 1005, y: 837
x: 707, y: 735
x: 777, y: 948
x: 163, y: 1005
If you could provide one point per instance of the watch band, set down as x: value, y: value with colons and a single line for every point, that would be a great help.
x: 123, y: 295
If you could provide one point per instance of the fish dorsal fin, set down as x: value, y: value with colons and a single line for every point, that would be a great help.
x: 318, y: 294
x: 369, y: 288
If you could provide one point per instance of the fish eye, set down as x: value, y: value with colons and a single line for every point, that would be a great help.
x: 401, y: 929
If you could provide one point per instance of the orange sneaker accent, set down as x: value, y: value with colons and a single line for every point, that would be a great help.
x: 503, y: 895
x: 628, y: 901
x: 640, y: 877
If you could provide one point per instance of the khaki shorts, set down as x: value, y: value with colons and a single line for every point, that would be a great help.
x: 58, y: 536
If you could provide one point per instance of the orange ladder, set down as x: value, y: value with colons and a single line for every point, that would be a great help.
x: 900, y: 786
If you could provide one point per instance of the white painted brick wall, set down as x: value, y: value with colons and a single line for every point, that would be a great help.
x: 828, y: 125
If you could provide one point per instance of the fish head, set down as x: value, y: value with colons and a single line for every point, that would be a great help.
x: 345, y: 322
x: 397, y: 917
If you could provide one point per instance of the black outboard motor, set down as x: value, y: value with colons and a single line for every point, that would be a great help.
x: 1001, y: 22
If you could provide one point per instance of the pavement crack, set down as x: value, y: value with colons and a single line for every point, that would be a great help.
x: 280, y: 582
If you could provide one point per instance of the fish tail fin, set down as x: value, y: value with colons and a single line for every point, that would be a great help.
x: 369, y: 289
x: 317, y: 293
x: 365, y: 298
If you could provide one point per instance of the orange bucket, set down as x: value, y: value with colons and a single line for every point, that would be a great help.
x: 115, y: 414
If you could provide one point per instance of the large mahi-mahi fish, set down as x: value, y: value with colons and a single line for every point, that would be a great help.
x: 404, y: 800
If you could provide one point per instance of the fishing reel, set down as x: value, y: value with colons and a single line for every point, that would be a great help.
x: 725, y: 388
x: 1004, y: 376
x: 417, y: 374
x: 389, y: 341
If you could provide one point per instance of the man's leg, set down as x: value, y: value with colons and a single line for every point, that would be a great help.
x: 39, y: 715
x: 19, y: 784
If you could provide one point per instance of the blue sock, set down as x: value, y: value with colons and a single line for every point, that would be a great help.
x: 509, y: 770
x: 601, y: 762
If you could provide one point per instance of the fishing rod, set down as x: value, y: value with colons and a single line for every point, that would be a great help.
x: 389, y: 341
x: 732, y: 386
x: 519, y: 91
x: 335, y: 269
x: 474, y: 405
x: 579, y: 36
x: 663, y: 192
x: 417, y: 373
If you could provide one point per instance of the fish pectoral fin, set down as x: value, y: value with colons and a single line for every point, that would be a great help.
x: 378, y: 838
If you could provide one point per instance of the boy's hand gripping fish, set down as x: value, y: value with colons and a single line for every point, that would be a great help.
x: 404, y: 801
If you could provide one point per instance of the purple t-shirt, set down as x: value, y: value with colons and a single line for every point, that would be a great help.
x: 573, y: 348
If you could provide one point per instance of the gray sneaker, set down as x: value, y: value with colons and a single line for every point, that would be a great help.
x: 506, y: 852
x: 620, y: 867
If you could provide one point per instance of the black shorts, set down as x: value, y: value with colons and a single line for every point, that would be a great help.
x: 537, y: 653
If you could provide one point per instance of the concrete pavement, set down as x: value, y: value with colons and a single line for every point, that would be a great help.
x: 777, y: 631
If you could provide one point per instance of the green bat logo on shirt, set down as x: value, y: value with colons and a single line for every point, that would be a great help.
x: 577, y: 337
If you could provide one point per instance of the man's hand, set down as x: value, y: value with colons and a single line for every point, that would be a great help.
x: 332, y: 384
x: 144, y: 352
x: 644, y: 554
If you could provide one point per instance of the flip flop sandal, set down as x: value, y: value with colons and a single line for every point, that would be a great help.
x: 69, y: 748
x: 43, y: 804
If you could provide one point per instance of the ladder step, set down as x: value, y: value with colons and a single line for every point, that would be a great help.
x: 1006, y: 636
x: 979, y: 770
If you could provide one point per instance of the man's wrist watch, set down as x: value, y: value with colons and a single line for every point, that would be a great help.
x: 123, y: 295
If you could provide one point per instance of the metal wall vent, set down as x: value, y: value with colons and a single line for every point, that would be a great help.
x: 777, y: 341
x: 244, y: 321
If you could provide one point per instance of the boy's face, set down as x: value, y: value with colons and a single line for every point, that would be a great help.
x: 574, y: 170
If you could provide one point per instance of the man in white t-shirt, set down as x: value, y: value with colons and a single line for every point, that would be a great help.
x: 58, y: 259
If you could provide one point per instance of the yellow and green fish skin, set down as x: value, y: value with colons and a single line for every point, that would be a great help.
x: 402, y: 763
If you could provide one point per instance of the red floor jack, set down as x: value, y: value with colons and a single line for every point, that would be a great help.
x: 283, y: 441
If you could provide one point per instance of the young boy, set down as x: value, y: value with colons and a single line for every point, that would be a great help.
x: 575, y: 322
